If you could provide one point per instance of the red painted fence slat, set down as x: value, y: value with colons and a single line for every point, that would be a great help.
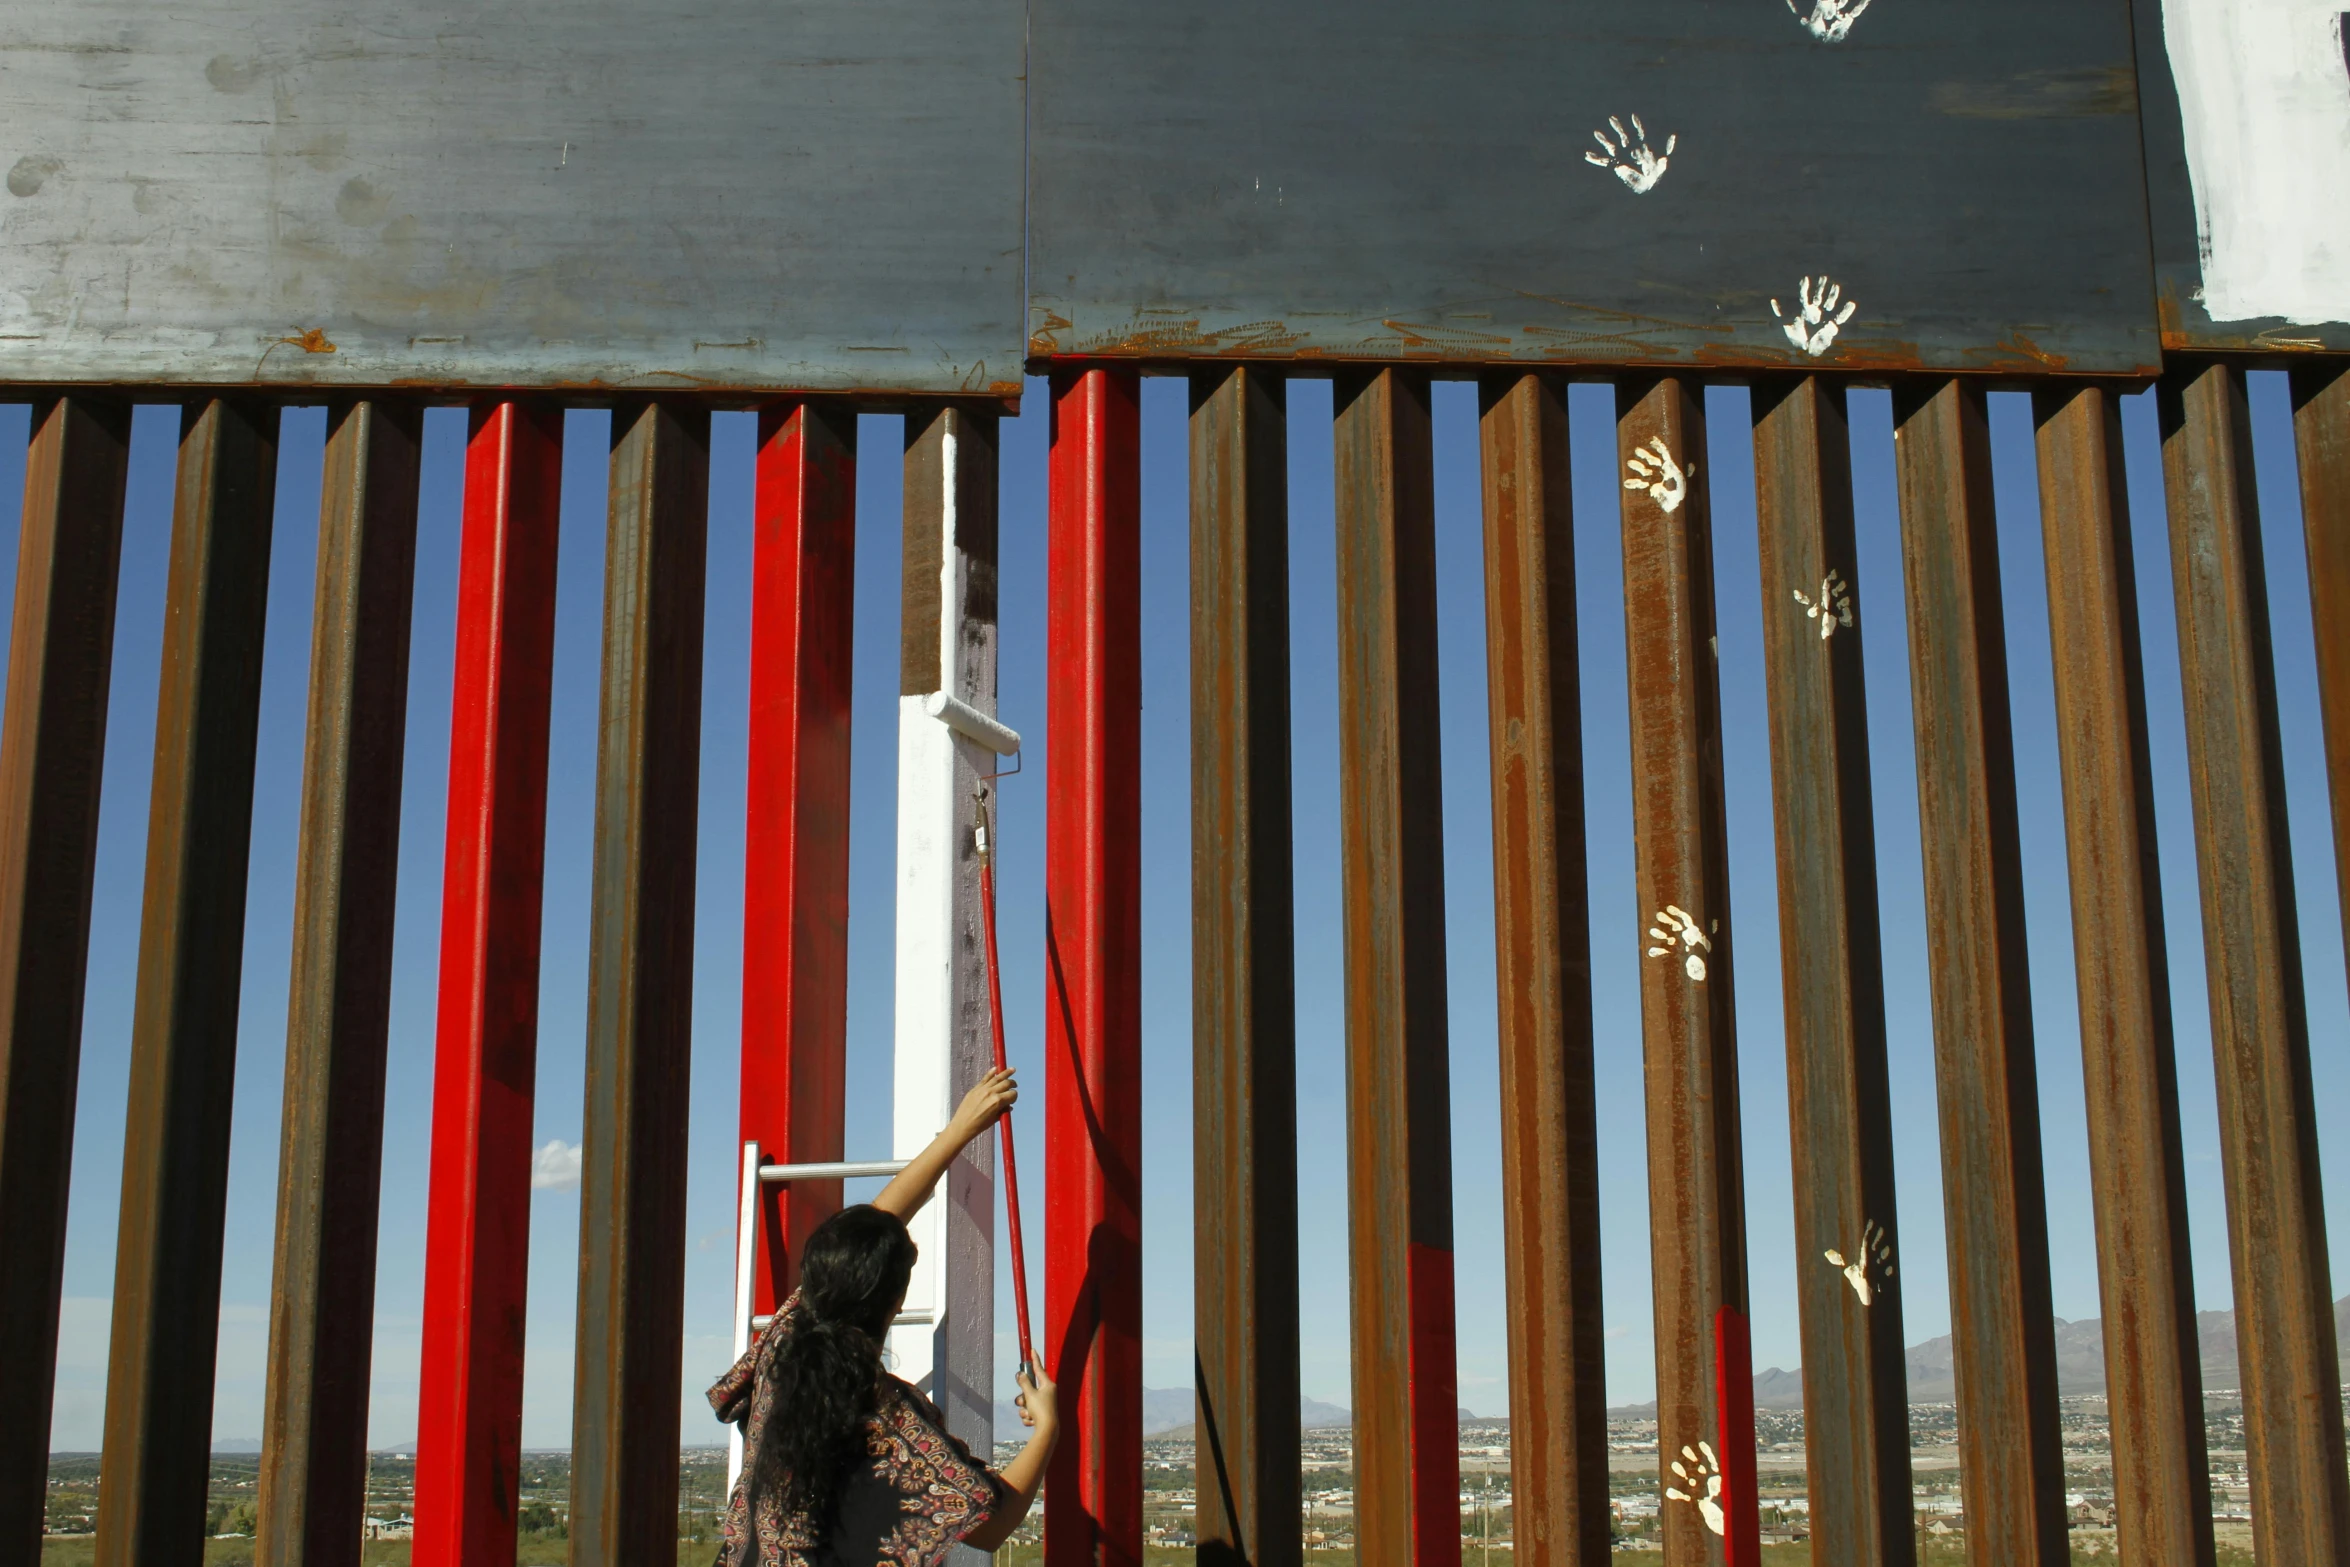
x: 1093, y: 959
x: 469, y: 1407
x: 796, y: 847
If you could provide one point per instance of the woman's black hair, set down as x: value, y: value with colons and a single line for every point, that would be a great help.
x: 827, y: 1368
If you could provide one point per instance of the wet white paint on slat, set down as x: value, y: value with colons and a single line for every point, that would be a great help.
x: 2264, y: 100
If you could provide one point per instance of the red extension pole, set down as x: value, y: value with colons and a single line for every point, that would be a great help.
x: 1093, y: 960
x: 995, y: 1018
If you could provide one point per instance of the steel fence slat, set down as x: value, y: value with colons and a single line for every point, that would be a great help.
x: 313, y: 1483
x: 1839, y: 1098
x: 2285, y: 1345
x: 1542, y: 926
x: 1244, y: 990
x: 52, y: 752
x: 1986, y: 1081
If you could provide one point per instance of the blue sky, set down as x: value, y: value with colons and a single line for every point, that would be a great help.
x: 1167, y: 1172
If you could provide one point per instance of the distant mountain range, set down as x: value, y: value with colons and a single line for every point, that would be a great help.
x: 2080, y: 1362
x: 2080, y: 1369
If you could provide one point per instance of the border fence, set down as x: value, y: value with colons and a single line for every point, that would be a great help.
x: 1095, y: 338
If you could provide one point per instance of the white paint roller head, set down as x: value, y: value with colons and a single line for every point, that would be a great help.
x: 972, y: 724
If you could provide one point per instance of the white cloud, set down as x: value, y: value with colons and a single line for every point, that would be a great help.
x: 555, y: 1168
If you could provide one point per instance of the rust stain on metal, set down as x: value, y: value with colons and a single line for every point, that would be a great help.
x: 1610, y: 313
x: 311, y: 341
x: 1986, y: 1085
x: 2074, y: 93
x: 2252, y: 956
x: 1542, y: 927
x: 2161, y: 1476
x: 2180, y: 338
x: 1044, y: 337
x: 1850, y: 353
x: 1169, y: 334
x: 2018, y: 353
x: 1414, y: 335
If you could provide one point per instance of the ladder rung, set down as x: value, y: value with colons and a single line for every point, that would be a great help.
x: 777, y: 1174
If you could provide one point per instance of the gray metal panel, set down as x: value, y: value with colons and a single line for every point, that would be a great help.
x: 1381, y: 178
x: 817, y: 194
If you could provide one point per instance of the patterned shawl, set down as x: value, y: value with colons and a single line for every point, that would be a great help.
x: 918, y: 1491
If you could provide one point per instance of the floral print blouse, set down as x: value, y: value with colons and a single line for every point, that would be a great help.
x: 918, y: 1491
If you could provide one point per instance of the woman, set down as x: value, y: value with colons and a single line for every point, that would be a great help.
x: 845, y: 1465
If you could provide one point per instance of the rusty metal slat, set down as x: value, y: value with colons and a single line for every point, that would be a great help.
x: 1542, y: 923
x: 1244, y: 990
x: 2153, y: 1376
x: 2004, y: 1346
x: 184, y: 1025
x: 2321, y: 429
x: 330, y: 1163
x: 2252, y: 957
x: 624, y: 1452
x: 60, y: 659
x: 1696, y: 1191
x: 1399, y: 1135
x: 1847, y: 1235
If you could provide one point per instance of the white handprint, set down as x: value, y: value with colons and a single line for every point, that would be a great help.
x: 1876, y: 1251
x: 1629, y: 155
x: 1654, y: 470
x: 1813, y: 327
x: 1834, y: 607
x: 1678, y: 925
x: 1694, y: 1472
x: 1830, y: 20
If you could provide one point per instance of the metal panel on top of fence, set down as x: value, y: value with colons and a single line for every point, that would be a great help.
x: 818, y: 194
x: 1695, y: 182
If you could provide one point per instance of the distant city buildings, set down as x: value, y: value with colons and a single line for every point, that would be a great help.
x: 1326, y: 1523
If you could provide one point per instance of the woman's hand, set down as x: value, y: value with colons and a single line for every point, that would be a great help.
x: 1038, y: 1400
x: 1025, y: 1473
x: 981, y: 1108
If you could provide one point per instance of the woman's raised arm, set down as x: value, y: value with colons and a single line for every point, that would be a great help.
x: 911, y: 1187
